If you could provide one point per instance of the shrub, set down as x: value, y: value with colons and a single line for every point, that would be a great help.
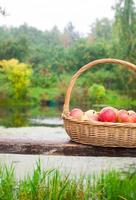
x: 97, y: 92
x: 18, y: 75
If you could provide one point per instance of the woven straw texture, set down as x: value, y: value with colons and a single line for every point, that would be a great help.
x: 104, y: 134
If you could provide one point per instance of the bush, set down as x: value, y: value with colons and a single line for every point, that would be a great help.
x: 18, y: 75
x: 97, y: 93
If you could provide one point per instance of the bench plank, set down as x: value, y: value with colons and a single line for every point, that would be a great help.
x: 60, y: 147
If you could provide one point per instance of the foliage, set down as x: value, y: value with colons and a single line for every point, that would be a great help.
x: 52, y: 184
x: 15, y: 48
x: 102, y: 29
x: 44, y: 94
x: 14, y: 116
x: 116, y: 185
x: 125, y: 29
x: 18, y: 74
x: 97, y: 92
x: 44, y: 78
x: 55, y: 56
x: 70, y: 35
x: 117, y: 100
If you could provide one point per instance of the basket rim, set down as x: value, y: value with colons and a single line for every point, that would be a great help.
x: 99, y: 123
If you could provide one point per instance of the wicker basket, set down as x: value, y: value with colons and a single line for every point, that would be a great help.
x: 104, y: 134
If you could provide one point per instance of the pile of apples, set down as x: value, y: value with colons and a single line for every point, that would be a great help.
x: 107, y: 114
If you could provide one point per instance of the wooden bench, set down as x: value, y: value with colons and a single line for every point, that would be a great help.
x: 58, y: 146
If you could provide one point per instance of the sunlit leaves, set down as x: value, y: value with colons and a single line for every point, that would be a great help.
x: 18, y: 74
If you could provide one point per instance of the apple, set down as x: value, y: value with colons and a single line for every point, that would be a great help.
x: 132, y: 118
x: 123, y: 116
x: 131, y: 112
x: 92, y: 115
x: 127, y: 116
x: 76, y: 113
x: 108, y: 114
x: 84, y: 118
x: 89, y: 113
x: 112, y: 108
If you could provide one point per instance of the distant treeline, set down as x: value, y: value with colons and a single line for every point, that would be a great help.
x: 55, y: 56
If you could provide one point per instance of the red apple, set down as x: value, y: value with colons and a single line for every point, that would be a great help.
x: 112, y: 108
x: 107, y: 114
x: 123, y: 116
x: 127, y: 116
x: 76, y: 113
x: 132, y: 118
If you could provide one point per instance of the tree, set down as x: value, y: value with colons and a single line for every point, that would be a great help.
x: 124, y: 43
x: 2, y: 11
x: 14, y: 48
x: 69, y: 35
x: 102, y: 29
x: 125, y: 28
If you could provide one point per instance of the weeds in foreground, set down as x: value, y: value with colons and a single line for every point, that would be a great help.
x: 50, y: 184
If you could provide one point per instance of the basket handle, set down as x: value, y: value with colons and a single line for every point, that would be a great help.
x: 86, y: 67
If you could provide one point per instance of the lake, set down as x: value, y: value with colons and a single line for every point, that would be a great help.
x: 22, y: 116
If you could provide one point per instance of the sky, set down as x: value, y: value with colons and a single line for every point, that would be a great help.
x: 44, y: 14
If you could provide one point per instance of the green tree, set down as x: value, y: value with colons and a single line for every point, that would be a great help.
x: 124, y: 43
x: 102, y: 29
x: 83, y: 52
x: 125, y: 29
x: 14, y: 48
x: 69, y: 35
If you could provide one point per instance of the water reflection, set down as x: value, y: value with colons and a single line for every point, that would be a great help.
x: 14, y: 116
x: 20, y: 116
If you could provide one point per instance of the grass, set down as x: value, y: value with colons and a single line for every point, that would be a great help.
x: 50, y: 184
